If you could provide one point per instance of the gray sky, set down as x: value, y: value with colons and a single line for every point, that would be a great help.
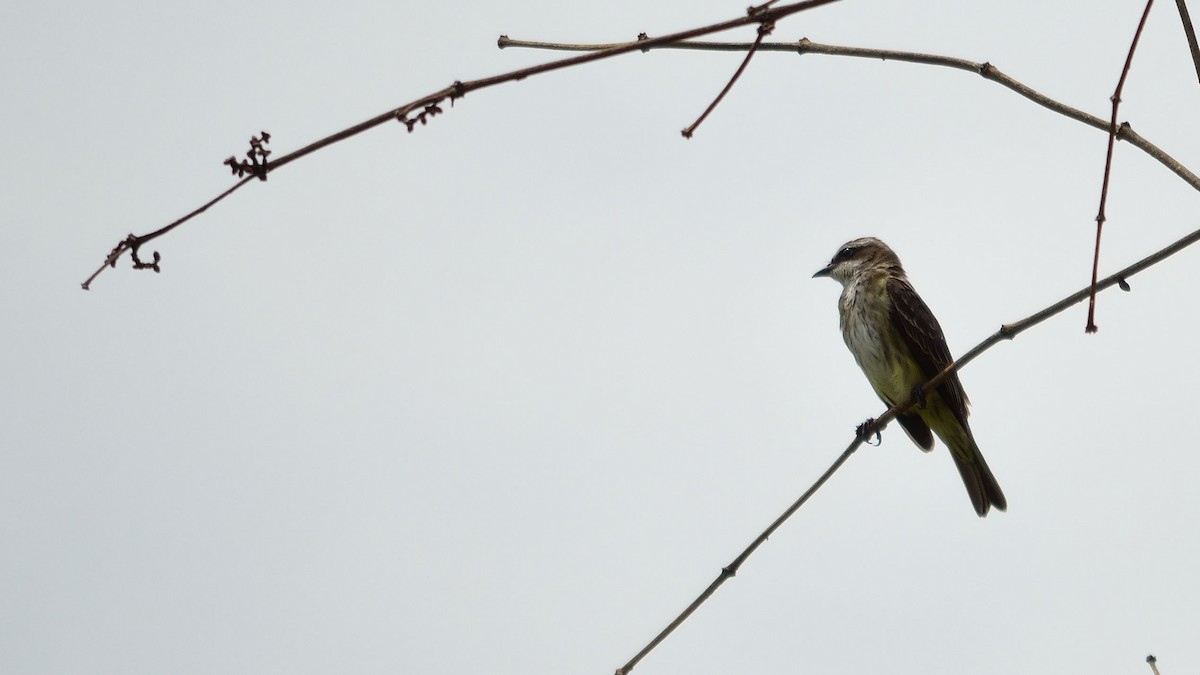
x: 503, y: 395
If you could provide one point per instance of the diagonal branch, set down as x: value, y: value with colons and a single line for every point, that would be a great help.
x: 1006, y: 332
x: 763, y: 31
x: 1190, y: 32
x: 428, y: 104
x: 985, y: 70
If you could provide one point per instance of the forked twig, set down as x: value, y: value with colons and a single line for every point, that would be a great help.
x: 1006, y: 332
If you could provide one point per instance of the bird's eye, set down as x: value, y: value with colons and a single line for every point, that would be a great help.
x: 844, y: 254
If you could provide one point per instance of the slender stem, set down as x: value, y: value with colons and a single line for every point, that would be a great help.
x: 1112, y: 139
x: 763, y: 31
x: 731, y: 569
x: 1190, y: 32
x: 132, y: 243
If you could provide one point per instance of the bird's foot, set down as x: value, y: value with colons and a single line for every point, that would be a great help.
x: 863, y: 432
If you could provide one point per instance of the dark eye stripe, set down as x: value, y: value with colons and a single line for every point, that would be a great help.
x: 844, y: 254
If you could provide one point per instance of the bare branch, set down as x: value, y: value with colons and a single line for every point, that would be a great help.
x: 763, y: 31
x: 986, y: 70
x: 1007, y: 332
x: 1112, y: 139
x: 428, y: 105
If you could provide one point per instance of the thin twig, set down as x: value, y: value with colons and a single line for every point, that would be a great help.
x: 1190, y: 32
x: 732, y: 568
x: 985, y: 70
x: 429, y: 103
x: 763, y: 31
x: 133, y: 242
x: 1112, y: 140
x: 1006, y: 332
x: 1153, y: 663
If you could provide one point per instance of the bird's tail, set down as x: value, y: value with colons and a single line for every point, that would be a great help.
x: 981, y: 485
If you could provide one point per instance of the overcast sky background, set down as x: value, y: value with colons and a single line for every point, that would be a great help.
x: 504, y: 394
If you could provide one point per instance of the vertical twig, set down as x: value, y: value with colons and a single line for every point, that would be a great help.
x: 1190, y: 31
x: 1112, y: 139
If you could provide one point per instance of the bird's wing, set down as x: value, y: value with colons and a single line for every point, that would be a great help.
x: 922, y: 334
x: 916, y: 428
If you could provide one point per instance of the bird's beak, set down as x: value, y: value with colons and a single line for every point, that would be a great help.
x: 824, y: 271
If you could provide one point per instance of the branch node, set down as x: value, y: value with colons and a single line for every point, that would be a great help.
x: 642, y: 37
x: 503, y: 41
x: 255, y: 163
x: 431, y: 110
x: 755, y: 11
x: 120, y: 248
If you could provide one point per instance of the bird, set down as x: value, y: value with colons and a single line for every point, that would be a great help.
x: 899, y: 346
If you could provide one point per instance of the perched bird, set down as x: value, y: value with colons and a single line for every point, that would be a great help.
x: 899, y: 345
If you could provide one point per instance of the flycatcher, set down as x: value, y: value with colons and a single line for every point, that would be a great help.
x: 899, y: 345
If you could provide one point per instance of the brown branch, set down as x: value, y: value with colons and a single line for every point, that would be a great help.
x: 133, y: 242
x: 1112, y: 140
x: 1190, y: 32
x: 1006, y: 332
x: 764, y: 30
x: 985, y: 70
x: 428, y: 104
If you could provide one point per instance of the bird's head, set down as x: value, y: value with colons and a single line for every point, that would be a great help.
x: 859, y: 257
